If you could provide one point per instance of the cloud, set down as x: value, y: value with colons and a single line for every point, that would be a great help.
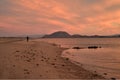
x: 114, y: 7
x: 45, y: 16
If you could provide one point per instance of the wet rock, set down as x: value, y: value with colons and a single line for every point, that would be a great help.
x: 76, y: 48
x: 93, y: 47
x: 113, y: 78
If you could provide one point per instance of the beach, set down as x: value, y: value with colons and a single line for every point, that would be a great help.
x: 35, y: 59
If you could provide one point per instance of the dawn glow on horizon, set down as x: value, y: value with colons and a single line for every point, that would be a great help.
x: 86, y: 17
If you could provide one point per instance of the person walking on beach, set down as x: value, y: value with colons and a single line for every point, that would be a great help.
x: 27, y: 38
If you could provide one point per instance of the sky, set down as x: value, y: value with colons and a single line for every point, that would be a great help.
x: 86, y: 17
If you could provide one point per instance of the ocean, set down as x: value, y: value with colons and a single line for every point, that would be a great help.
x: 104, y: 61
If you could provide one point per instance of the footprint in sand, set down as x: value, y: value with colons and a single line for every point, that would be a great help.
x: 53, y: 64
x: 63, y: 65
x: 33, y: 58
x: 42, y: 60
x: 40, y: 75
x: 17, y: 51
x: 47, y: 71
x: 13, y: 65
x: 31, y: 50
x: 67, y: 59
x: 26, y: 71
x: 28, y: 60
x: 37, y: 64
x: 95, y: 75
x: 105, y: 73
x: 42, y: 56
x: 17, y: 55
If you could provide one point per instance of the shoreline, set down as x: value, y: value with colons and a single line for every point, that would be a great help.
x: 38, y: 60
x: 86, y: 74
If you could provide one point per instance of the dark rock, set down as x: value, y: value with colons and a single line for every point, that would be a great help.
x: 76, y: 48
x: 113, y: 78
x: 93, y: 47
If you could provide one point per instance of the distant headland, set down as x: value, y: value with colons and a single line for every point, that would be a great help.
x: 63, y: 34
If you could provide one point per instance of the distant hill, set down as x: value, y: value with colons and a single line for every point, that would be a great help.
x: 59, y: 34
x: 77, y: 36
x: 63, y: 34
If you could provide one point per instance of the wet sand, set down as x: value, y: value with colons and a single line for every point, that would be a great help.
x: 38, y: 60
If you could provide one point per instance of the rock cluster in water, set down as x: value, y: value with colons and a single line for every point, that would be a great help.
x: 89, y: 47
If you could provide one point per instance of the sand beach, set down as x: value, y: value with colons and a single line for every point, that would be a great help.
x: 20, y: 59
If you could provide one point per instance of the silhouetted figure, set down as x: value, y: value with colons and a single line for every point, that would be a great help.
x: 27, y: 38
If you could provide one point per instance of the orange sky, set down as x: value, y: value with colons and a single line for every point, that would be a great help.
x: 86, y: 17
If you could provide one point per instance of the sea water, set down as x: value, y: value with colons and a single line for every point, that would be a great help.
x: 104, y: 61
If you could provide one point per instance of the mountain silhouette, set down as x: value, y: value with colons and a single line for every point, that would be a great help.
x: 59, y: 34
x: 63, y: 34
